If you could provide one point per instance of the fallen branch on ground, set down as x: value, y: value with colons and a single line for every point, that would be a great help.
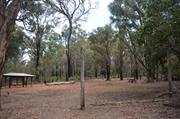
x: 168, y: 93
x: 128, y: 102
x: 163, y: 94
x: 59, y: 83
x: 175, y: 105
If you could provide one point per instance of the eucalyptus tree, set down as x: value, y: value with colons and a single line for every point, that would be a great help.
x: 101, y: 43
x: 150, y: 28
x: 160, y: 27
x: 38, y: 19
x: 78, y: 41
x: 127, y: 15
x: 52, y: 53
x: 9, y: 10
x: 73, y: 11
x: 16, y: 51
x: 118, y: 54
x: 16, y: 47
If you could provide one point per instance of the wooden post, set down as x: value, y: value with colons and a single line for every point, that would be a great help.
x: 5, y: 81
x: 23, y: 80
x: 31, y: 81
x: 26, y: 79
x: 82, y: 100
x: 10, y: 81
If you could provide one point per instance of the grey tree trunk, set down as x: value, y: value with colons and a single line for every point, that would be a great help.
x: 82, y: 81
x: 69, y: 60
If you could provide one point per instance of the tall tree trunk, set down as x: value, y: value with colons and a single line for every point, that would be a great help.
x: 37, y: 54
x: 121, y: 75
x: 149, y: 75
x: 157, y: 72
x: 8, y: 14
x: 150, y: 70
x: 0, y: 92
x: 82, y: 81
x: 108, y: 68
x: 74, y: 72
x: 69, y: 62
x: 56, y: 72
x: 153, y: 72
x: 108, y: 72
x: 121, y: 65
x: 131, y: 66
x: 39, y: 35
x: 136, y: 72
x: 96, y: 72
x: 169, y: 73
x: 37, y: 57
x: 108, y: 64
x: 60, y: 72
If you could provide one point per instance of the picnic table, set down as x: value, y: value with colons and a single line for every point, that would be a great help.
x: 24, y: 77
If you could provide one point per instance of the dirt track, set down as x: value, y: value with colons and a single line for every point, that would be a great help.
x: 104, y: 100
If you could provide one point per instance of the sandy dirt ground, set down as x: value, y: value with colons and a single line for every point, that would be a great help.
x: 104, y: 100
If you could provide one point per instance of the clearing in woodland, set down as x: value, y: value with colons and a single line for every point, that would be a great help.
x: 104, y: 100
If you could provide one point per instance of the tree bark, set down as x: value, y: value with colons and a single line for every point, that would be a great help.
x: 136, y: 72
x: 82, y: 81
x: 149, y: 75
x: 38, y: 45
x: 96, y: 72
x: 39, y: 35
x: 157, y: 72
x: 37, y: 57
x: 108, y: 63
x: 121, y: 65
x: 169, y: 73
x: 8, y: 14
x: 56, y: 72
x: 108, y: 71
x: 69, y: 62
x: 0, y: 92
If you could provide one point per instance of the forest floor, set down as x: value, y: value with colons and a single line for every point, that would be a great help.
x: 104, y: 100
